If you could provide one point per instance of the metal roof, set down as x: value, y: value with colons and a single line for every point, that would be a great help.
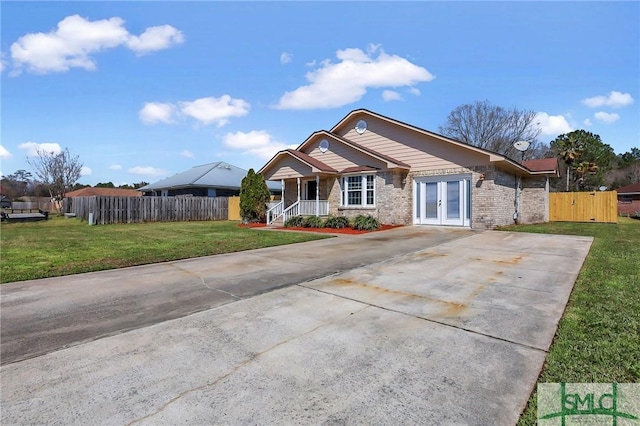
x: 212, y: 175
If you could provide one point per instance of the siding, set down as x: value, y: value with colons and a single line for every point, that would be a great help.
x: 421, y: 151
x: 340, y: 156
x: 289, y: 168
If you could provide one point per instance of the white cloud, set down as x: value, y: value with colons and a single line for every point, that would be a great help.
x: 606, y: 117
x: 256, y: 142
x: 75, y: 39
x: 613, y: 99
x: 205, y: 110
x: 147, y: 171
x: 115, y: 167
x: 218, y: 110
x: 390, y: 95
x: 187, y: 154
x: 552, y: 125
x: 85, y: 171
x: 587, y: 122
x: 155, y: 38
x: 346, y: 82
x: 286, y: 57
x: 414, y: 91
x: 4, y: 153
x: 32, y: 148
x: 157, y: 112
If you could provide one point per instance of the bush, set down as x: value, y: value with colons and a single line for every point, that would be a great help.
x: 366, y: 223
x: 337, y: 222
x: 313, y: 222
x: 254, y: 196
x: 294, y: 222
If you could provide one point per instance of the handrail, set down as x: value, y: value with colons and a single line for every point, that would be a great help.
x: 274, y: 212
x: 292, y: 210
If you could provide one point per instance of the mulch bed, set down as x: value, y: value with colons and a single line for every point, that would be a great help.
x: 347, y: 231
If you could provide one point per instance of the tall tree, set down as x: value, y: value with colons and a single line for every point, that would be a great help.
x: 16, y: 184
x: 494, y: 128
x: 59, y: 172
x: 586, y: 156
x: 254, y: 197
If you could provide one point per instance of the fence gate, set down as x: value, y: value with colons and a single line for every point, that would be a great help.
x: 583, y: 206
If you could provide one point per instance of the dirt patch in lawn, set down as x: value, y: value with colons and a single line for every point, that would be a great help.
x: 347, y: 231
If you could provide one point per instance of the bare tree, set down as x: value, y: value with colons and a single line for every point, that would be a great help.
x: 495, y: 128
x: 59, y: 172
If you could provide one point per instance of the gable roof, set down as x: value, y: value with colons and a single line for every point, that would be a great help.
x: 392, y: 162
x: 634, y: 188
x: 212, y: 175
x: 494, y: 157
x: 104, y: 192
x: 313, y: 162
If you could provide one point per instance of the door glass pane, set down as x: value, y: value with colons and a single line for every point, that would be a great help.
x: 418, y: 188
x: 432, y: 200
x: 453, y: 200
x: 468, y: 199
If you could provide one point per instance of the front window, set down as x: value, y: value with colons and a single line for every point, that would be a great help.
x: 358, y: 191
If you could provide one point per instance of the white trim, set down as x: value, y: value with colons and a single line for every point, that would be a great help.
x: 363, y: 190
x: 419, y: 190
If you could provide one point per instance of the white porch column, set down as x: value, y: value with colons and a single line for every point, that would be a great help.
x: 298, y: 189
x: 282, y: 196
x: 317, y: 195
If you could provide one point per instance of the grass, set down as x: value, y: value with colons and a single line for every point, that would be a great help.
x: 60, y: 246
x: 598, y: 338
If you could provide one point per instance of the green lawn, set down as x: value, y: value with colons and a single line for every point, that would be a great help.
x: 598, y: 338
x: 62, y: 246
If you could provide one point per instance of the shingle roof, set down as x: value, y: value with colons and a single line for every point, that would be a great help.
x: 104, y: 192
x: 634, y: 188
x: 212, y: 175
x: 542, y: 165
x: 356, y: 169
x: 312, y: 161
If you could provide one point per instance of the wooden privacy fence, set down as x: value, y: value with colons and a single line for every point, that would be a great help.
x: 583, y: 207
x: 106, y: 210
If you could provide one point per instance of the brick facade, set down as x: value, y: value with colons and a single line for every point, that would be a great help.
x: 493, y: 196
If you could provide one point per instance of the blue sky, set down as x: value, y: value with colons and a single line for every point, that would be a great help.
x: 143, y: 90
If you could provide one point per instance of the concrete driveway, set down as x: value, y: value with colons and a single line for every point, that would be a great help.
x: 451, y: 328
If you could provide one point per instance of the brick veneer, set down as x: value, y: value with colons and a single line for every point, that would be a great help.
x: 492, y: 197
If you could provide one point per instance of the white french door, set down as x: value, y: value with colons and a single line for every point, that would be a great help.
x: 442, y: 200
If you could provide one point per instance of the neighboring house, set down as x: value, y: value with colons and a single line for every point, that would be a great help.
x: 105, y: 192
x: 629, y: 199
x: 208, y: 180
x: 402, y: 174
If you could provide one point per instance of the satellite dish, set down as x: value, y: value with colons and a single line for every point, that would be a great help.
x: 324, y: 145
x: 603, y: 188
x: 521, y: 145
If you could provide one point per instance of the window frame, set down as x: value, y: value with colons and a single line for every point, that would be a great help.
x: 365, y: 190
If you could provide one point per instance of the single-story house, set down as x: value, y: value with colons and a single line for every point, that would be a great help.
x: 218, y: 179
x: 402, y: 174
x: 629, y: 199
x: 103, y: 192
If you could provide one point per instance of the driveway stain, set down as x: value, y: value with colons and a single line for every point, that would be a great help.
x: 448, y: 308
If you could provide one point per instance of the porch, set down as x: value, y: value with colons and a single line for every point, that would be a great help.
x: 303, y: 199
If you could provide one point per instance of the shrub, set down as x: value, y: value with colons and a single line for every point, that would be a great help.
x: 254, y: 196
x: 366, y: 223
x: 337, y: 222
x: 294, y: 222
x: 313, y: 222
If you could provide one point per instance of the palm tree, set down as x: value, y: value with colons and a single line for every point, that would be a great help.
x: 569, y: 148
